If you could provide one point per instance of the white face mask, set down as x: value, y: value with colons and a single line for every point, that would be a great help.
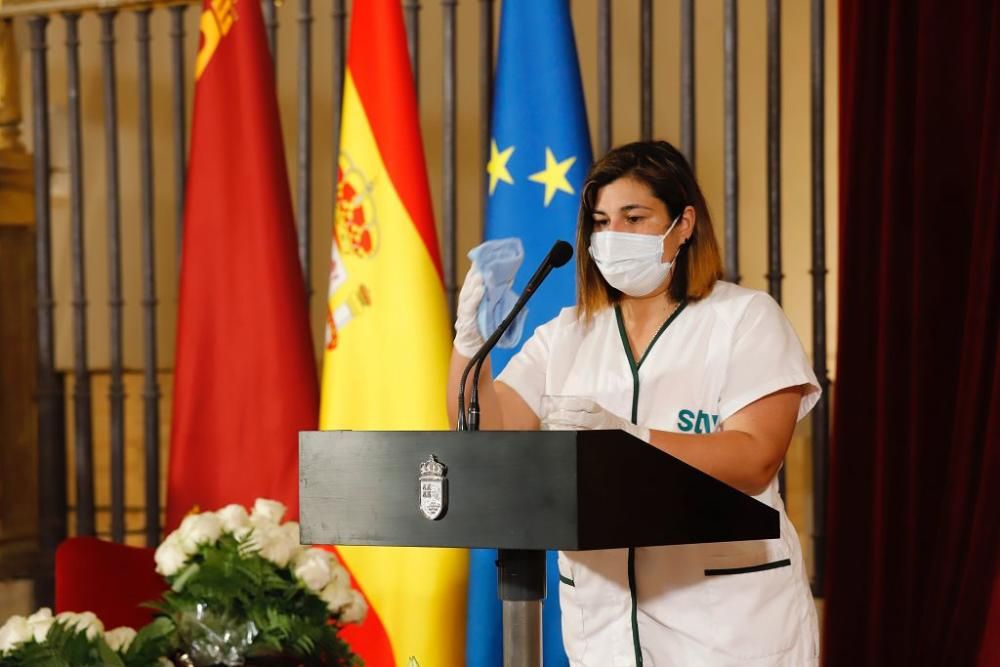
x: 631, y: 262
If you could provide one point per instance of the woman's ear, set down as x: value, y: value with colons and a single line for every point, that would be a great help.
x: 687, y: 223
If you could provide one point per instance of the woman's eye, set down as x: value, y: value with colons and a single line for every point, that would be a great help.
x: 634, y: 219
x: 600, y: 221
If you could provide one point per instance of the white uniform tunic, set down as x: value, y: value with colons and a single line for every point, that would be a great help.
x: 731, y: 603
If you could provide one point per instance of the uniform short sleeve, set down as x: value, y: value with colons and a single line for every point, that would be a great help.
x: 766, y: 356
x: 525, y: 372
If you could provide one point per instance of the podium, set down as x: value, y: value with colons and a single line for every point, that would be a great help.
x: 521, y: 492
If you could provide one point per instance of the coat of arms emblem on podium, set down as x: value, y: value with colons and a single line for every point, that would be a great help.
x: 433, y: 488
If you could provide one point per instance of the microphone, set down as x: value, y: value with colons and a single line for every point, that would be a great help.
x: 560, y: 253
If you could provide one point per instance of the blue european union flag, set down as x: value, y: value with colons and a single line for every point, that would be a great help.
x: 539, y: 156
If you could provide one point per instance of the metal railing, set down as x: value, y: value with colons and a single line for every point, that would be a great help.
x: 51, y: 392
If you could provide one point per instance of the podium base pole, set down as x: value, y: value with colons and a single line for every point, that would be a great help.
x: 521, y: 585
x: 522, y: 634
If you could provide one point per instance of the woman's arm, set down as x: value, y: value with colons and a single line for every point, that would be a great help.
x: 748, y: 449
x: 745, y: 453
x: 501, y: 408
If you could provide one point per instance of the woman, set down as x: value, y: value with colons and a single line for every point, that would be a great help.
x: 707, y: 371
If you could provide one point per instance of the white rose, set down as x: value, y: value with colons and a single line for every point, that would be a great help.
x: 266, y: 511
x: 170, y: 557
x: 174, y: 536
x: 335, y: 597
x: 40, y: 622
x: 272, y: 543
x: 339, y: 575
x: 120, y: 639
x: 355, y: 610
x: 198, y: 529
x: 291, y: 532
x: 66, y: 618
x: 85, y: 622
x: 15, y: 631
x: 234, y: 519
x: 313, y: 567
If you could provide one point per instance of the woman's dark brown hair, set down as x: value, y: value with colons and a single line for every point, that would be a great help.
x: 663, y: 169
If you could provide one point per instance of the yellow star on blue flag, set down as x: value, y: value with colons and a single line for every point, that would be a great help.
x: 553, y: 177
x: 497, y: 166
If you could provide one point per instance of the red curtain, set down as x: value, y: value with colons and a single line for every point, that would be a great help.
x: 914, y: 523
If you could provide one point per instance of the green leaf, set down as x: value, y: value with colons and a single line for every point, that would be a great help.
x: 108, y: 657
x: 155, y: 640
x: 186, y: 574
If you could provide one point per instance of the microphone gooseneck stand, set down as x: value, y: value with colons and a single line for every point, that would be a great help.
x: 520, y: 572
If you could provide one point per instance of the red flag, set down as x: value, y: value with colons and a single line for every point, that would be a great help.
x: 245, y: 380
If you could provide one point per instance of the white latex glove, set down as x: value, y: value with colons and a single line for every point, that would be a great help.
x: 575, y: 413
x: 468, y: 340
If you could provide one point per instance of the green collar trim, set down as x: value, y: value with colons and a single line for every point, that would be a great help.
x: 628, y: 348
x: 633, y: 366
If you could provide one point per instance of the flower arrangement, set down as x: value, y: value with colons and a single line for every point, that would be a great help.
x: 71, y: 640
x: 242, y: 591
x: 242, y: 586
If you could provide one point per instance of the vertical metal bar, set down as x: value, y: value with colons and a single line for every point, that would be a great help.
x: 731, y: 148
x: 821, y: 413
x: 51, y: 416
x: 687, y: 80
x: 305, y: 141
x: 271, y: 24
x: 151, y: 387
x: 449, y: 153
x: 180, y: 119
x: 83, y: 429
x: 339, y: 16
x: 412, y: 10
x: 604, y: 76
x: 485, y: 97
x: 116, y: 391
x: 646, y: 67
x: 774, y: 275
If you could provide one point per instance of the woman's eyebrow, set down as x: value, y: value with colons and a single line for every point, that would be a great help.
x: 624, y: 209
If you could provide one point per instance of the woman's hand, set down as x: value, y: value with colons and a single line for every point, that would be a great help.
x: 576, y: 413
x: 468, y: 340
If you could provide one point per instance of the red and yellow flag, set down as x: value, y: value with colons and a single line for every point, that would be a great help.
x: 388, y: 332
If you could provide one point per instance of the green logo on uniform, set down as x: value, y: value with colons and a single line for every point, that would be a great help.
x: 689, y: 421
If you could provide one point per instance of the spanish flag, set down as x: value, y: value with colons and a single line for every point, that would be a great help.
x: 388, y: 336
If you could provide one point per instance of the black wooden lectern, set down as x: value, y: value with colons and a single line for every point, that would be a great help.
x: 519, y: 492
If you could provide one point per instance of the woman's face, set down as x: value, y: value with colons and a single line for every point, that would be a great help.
x: 628, y: 205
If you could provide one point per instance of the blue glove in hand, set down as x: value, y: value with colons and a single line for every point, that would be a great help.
x: 498, y: 261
